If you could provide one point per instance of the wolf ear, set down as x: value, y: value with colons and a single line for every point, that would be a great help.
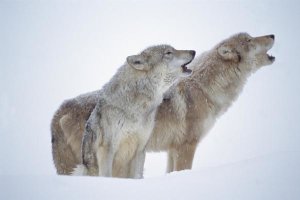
x: 137, y: 62
x: 229, y: 53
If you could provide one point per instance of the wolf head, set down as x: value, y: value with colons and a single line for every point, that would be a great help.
x: 242, y: 48
x: 165, y: 59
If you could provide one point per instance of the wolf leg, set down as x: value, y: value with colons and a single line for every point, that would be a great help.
x: 90, y: 144
x: 184, y: 156
x: 137, y: 165
x: 170, y: 164
x: 89, y: 159
x: 105, y: 156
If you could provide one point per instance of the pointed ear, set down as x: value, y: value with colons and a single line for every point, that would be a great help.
x: 229, y: 53
x: 137, y: 62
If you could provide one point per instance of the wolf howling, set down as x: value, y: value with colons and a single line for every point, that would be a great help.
x: 120, y: 125
x: 190, y: 109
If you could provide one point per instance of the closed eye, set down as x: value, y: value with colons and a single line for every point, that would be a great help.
x: 137, y: 62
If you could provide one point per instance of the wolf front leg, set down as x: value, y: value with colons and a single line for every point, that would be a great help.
x: 105, y: 157
x: 90, y: 142
x: 137, y: 165
x: 106, y: 151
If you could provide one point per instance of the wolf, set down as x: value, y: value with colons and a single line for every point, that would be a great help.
x: 119, y: 126
x: 190, y: 107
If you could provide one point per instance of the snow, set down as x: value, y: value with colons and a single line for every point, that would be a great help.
x: 265, y: 177
x: 54, y: 50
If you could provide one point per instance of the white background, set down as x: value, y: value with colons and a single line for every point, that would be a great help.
x: 54, y: 50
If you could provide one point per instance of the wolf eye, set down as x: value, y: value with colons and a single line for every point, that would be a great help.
x: 248, y: 40
x: 168, y: 53
x: 137, y: 62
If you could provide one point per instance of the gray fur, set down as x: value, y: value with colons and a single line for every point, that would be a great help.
x: 191, y: 107
x: 121, y: 123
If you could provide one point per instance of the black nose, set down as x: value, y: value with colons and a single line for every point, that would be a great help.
x: 272, y: 36
x: 193, y: 53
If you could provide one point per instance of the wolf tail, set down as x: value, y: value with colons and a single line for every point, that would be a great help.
x: 64, y: 157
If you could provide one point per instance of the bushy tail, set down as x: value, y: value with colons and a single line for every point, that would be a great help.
x: 64, y: 158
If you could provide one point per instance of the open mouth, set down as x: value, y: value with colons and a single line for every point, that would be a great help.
x: 185, y: 69
x: 271, y: 58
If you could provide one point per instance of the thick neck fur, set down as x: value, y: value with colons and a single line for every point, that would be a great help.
x: 138, y: 89
x: 220, y: 82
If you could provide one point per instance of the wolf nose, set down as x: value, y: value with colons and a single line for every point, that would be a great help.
x: 272, y: 36
x: 193, y: 53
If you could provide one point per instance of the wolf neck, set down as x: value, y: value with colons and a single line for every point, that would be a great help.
x: 135, y: 88
x: 221, y: 84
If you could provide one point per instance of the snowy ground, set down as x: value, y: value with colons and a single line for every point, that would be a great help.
x: 266, y: 177
x: 54, y: 50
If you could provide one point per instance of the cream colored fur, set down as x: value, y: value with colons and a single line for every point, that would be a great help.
x: 190, y: 108
x: 120, y: 125
x: 196, y: 102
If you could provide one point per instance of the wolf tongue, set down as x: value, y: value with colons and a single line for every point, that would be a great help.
x: 188, y: 70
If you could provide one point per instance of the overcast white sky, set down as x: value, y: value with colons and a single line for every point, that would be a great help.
x: 51, y: 51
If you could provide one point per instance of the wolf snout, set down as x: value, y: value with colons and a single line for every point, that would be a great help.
x: 271, y: 58
x: 272, y: 36
x: 193, y: 53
